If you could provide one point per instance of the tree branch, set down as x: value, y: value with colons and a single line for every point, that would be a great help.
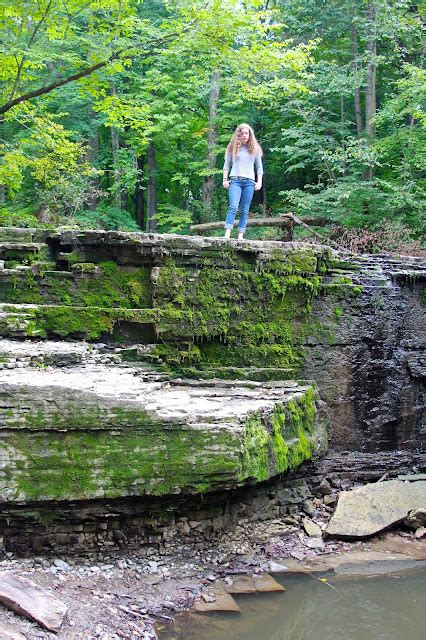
x: 29, y: 45
x: 87, y: 71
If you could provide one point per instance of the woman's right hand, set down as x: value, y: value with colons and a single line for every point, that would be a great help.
x: 226, y: 183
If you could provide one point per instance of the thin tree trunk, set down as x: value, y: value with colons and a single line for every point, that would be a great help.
x: 2, y: 141
x: 115, y: 146
x: 151, y: 219
x: 208, y: 183
x: 370, y: 87
x: 139, y: 194
x: 342, y: 123
x: 92, y: 156
x: 355, y: 67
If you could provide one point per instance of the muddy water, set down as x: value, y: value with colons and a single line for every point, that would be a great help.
x: 389, y: 607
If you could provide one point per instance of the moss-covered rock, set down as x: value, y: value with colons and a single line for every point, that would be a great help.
x: 104, y: 285
x: 102, y: 433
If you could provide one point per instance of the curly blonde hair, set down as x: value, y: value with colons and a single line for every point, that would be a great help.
x: 235, y: 143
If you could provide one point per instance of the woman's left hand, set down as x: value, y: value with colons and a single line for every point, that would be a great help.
x: 257, y: 186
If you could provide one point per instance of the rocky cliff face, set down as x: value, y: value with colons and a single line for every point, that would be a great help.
x: 206, y: 308
x: 145, y: 366
x: 371, y: 367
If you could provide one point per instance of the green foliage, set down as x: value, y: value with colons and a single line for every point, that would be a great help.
x: 153, y: 90
x: 172, y: 219
x: 19, y: 217
x: 106, y: 217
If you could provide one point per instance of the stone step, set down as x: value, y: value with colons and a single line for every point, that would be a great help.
x: 18, y: 234
x: 33, y: 320
x: 260, y: 374
x: 23, y: 252
x: 16, y: 354
x: 102, y: 286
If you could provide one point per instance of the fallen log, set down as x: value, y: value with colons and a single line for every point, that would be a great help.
x: 277, y: 221
x: 284, y: 221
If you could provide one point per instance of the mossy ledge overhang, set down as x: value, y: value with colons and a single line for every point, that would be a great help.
x: 102, y: 433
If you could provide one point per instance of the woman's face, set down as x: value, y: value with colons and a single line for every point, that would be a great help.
x: 244, y: 135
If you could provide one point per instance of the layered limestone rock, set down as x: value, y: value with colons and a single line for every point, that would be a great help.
x: 102, y: 431
x: 206, y: 307
x: 121, y: 356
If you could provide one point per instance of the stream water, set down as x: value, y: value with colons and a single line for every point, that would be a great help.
x: 389, y: 607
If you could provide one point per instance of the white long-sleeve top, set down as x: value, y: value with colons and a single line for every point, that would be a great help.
x: 245, y: 164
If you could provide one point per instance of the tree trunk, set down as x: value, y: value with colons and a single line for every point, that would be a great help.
x: 370, y: 87
x: 208, y: 183
x: 355, y: 67
x: 342, y: 123
x: 92, y: 156
x: 139, y: 194
x: 115, y: 146
x: 2, y: 141
x: 151, y: 219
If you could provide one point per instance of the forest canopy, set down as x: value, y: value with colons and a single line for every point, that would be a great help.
x: 116, y: 113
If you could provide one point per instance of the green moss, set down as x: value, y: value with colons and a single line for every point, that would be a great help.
x: 84, y: 267
x: 145, y: 458
x: 272, y: 446
x: 339, y: 291
x: 106, y: 285
x: 338, y: 312
x: 89, y: 323
x: 21, y: 288
x: 256, y: 449
x: 238, y: 316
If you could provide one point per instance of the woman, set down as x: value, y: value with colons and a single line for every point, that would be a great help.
x: 245, y: 155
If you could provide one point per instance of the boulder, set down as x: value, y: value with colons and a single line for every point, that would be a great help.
x: 416, y: 519
x: 27, y: 599
x: 365, y: 511
x: 312, y: 529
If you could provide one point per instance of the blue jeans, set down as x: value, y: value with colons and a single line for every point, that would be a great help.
x: 240, y: 194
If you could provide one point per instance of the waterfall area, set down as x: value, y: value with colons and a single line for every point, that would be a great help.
x: 163, y: 392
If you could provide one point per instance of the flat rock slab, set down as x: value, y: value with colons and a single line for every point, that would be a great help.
x: 263, y: 583
x: 367, y: 510
x: 219, y: 602
x: 144, y: 436
x: 240, y: 584
x: 8, y: 633
x: 379, y: 567
x: 212, y: 402
x: 33, y: 602
x: 356, y: 561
